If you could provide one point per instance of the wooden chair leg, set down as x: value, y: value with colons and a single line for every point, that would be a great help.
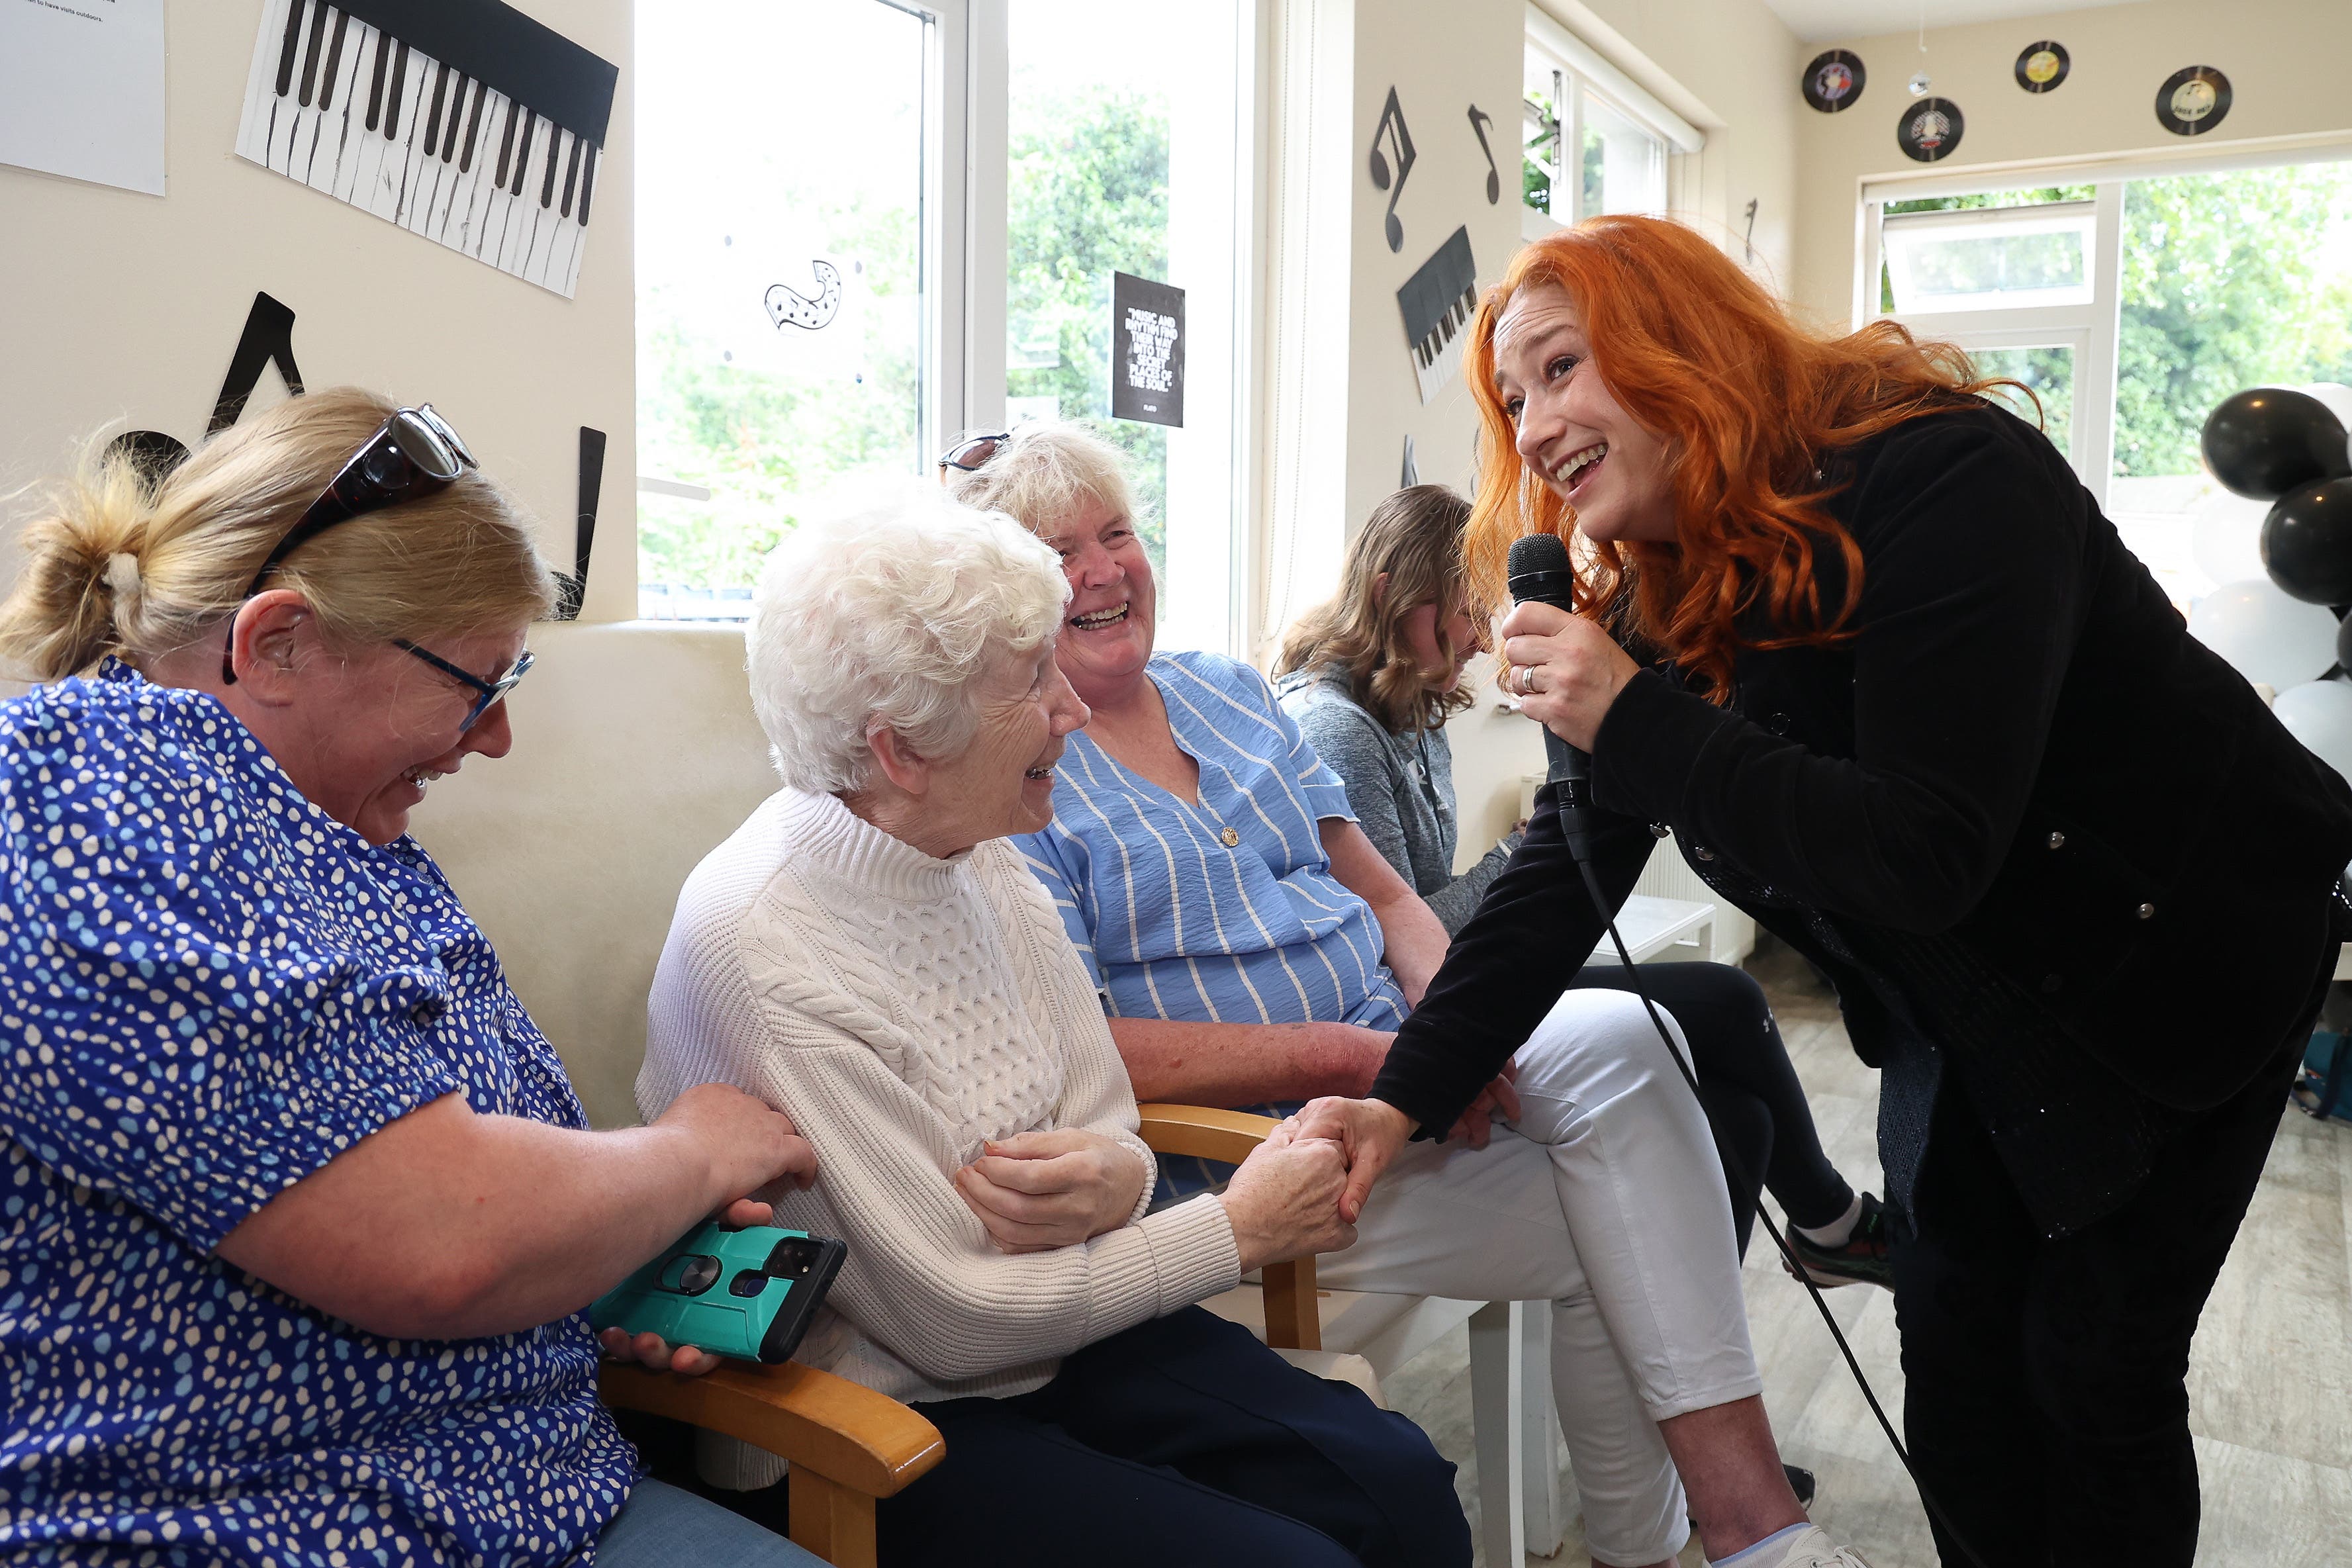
x: 830, y: 1520
x: 1293, y: 1320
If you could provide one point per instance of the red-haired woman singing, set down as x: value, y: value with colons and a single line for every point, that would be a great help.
x: 1860, y: 637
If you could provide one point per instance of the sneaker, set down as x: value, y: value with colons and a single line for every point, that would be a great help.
x: 1814, y: 1547
x: 1861, y: 1261
x: 1801, y: 1483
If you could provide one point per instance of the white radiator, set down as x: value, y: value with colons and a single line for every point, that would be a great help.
x: 1668, y: 875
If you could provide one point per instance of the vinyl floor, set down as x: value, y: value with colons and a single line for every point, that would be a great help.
x: 2270, y: 1380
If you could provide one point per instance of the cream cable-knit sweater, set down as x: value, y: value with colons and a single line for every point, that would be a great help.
x: 901, y: 1008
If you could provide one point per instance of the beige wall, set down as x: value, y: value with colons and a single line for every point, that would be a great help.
x: 1726, y: 66
x: 122, y: 309
x: 634, y: 751
x: 2286, y: 62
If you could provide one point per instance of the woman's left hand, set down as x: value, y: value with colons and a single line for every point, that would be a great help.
x: 1565, y: 670
x: 1035, y: 1191
x: 657, y: 1352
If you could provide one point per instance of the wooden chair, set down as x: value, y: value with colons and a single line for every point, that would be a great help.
x: 1512, y: 1424
x: 1292, y: 1318
x: 848, y: 1446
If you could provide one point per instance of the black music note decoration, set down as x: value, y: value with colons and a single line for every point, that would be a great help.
x: 267, y: 340
x: 572, y: 587
x: 1392, y: 122
x: 1479, y: 121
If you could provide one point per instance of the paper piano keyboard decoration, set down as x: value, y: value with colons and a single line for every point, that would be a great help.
x: 1437, y: 301
x: 463, y: 120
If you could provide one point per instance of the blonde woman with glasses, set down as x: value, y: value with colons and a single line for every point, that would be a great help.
x: 304, y: 1214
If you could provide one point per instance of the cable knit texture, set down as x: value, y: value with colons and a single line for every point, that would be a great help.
x: 903, y: 1009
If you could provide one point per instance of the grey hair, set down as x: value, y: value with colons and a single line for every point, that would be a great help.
x: 1044, y: 473
x: 884, y: 615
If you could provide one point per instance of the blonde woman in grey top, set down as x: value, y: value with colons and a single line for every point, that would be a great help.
x: 1372, y: 675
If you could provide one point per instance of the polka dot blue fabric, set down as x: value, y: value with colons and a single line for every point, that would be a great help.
x: 208, y: 989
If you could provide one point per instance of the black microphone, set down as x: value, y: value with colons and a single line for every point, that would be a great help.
x: 1539, y: 571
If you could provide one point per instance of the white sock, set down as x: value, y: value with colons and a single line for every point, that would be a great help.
x: 1837, y: 1232
x: 1757, y: 1553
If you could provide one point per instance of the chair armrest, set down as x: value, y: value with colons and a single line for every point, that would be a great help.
x: 845, y: 1432
x: 1197, y: 1130
x: 1293, y: 1322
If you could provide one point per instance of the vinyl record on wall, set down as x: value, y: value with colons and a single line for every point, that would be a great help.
x: 2042, y: 66
x: 1930, y: 129
x: 1834, y: 80
x: 2192, y: 100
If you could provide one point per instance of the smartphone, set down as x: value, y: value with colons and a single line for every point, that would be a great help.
x: 748, y: 1294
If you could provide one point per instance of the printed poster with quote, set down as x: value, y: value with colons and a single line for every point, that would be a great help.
x: 1147, y: 350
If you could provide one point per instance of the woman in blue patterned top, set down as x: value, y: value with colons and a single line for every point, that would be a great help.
x: 301, y: 1212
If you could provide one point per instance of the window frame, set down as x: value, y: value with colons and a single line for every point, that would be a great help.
x: 965, y: 262
x: 1578, y: 71
x: 2098, y: 326
x: 2091, y: 329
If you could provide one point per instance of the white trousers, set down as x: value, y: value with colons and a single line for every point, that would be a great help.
x: 1606, y: 1199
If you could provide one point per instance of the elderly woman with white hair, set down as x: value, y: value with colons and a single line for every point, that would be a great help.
x: 869, y: 951
x: 1250, y: 946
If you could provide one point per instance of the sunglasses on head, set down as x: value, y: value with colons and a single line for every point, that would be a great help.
x: 973, y: 452
x: 413, y: 453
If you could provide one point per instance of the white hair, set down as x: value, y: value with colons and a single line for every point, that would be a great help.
x: 884, y: 615
x: 1046, y: 471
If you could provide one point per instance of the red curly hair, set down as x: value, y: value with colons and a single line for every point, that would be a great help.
x: 1749, y: 404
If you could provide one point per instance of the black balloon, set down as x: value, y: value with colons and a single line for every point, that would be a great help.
x: 2308, y: 542
x: 2263, y: 443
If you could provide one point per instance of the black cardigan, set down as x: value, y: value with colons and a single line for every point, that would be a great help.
x: 2023, y: 804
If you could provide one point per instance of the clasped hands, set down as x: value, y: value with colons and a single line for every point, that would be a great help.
x: 1370, y: 1133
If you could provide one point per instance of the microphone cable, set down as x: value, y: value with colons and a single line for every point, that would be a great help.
x: 1539, y: 570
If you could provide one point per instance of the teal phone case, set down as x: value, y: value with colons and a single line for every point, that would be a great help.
x: 746, y: 1293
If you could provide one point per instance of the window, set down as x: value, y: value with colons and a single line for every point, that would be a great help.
x: 2133, y: 306
x: 785, y: 306
x: 1124, y: 159
x: 870, y: 268
x: 1593, y: 140
x: 2011, y: 276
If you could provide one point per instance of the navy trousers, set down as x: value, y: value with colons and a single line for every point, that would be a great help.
x: 1179, y: 1441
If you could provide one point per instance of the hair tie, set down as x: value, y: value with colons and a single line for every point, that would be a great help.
x: 122, y: 574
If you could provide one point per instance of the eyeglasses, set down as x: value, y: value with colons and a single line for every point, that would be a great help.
x: 492, y: 690
x: 973, y: 452
x: 413, y: 453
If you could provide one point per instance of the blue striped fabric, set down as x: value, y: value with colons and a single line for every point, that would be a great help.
x: 1172, y: 922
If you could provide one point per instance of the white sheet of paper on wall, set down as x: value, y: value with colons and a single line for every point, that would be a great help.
x: 461, y: 121
x: 81, y: 89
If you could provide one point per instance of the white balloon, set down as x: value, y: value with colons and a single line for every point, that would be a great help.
x: 2269, y: 638
x: 2319, y: 715
x: 2336, y: 395
x: 2338, y: 398
x: 2225, y: 536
